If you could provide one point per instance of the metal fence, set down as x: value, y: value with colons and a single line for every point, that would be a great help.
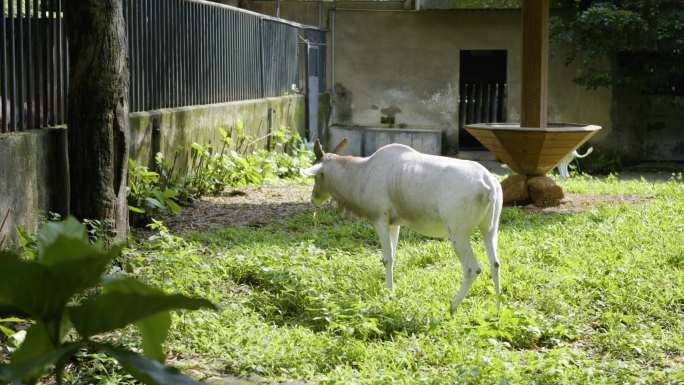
x: 33, y: 64
x: 482, y: 103
x: 280, y: 42
x: 181, y: 52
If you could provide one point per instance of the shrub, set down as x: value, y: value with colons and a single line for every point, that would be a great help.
x: 54, y: 289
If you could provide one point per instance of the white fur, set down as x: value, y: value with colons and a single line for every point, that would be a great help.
x: 565, y: 162
x: 311, y: 171
x: 436, y: 196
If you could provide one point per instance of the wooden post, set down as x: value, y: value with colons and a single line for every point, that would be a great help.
x: 535, y: 61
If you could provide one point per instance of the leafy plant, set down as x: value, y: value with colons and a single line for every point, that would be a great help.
x: 67, y: 267
x: 147, y: 197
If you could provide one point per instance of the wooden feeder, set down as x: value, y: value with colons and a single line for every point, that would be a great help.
x: 533, y: 147
x: 531, y: 151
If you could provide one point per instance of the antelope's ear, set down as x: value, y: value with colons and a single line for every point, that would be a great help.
x: 313, y: 170
x: 341, y: 146
x: 318, y: 150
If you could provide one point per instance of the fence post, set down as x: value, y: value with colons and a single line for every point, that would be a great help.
x: 261, y: 56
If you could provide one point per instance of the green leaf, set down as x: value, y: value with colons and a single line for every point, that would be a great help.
x: 43, y: 291
x: 147, y: 371
x: 170, y: 194
x: 36, y: 344
x: 174, y: 207
x: 6, y: 331
x: 126, y: 301
x: 136, y: 210
x: 12, y: 319
x: 154, y: 330
x: 51, y: 238
x: 154, y: 203
x: 65, y: 248
x: 21, y: 285
x: 65, y: 241
x: 27, y: 243
x: 71, y: 277
x: 23, y: 372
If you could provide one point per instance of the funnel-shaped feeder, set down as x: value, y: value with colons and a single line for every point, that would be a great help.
x: 531, y: 151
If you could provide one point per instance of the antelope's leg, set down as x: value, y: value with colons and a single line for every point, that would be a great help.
x: 388, y: 236
x: 471, y: 269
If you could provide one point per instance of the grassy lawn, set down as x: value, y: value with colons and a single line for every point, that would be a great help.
x: 595, y: 297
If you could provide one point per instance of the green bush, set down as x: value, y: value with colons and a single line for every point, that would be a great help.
x: 146, y: 196
x: 54, y: 289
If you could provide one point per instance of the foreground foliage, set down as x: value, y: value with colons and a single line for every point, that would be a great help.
x: 48, y: 287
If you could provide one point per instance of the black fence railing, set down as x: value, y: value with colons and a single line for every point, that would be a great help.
x: 33, y: 64
x: 181, y: 53
x: 482, y: 103
x: 280, y: 41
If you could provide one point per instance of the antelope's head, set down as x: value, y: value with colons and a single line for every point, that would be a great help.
x: 320, y: 169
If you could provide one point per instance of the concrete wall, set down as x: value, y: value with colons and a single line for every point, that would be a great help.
x: 410, y: 61
x: 178, y: 128
x: 34, y: 165
x: 33, y: 178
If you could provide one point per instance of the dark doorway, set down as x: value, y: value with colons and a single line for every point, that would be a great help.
x: 482, y: 90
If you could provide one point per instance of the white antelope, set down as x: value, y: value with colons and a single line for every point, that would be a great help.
x: 436, y: 196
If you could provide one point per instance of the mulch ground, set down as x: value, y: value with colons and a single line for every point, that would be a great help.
x: 261, y: 205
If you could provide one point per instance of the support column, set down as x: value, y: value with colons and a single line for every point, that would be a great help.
x: 535, y: 61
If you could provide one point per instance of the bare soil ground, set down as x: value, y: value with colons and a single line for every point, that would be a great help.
x: 257, y: 206
x: 253, y: 206
x: 577, y: 203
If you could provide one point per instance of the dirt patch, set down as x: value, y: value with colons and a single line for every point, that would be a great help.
x: 246, y: 207
x: 261, y: 205
x: 577, y: 203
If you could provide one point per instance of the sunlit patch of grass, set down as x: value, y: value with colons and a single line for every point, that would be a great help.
x: 595, y: 298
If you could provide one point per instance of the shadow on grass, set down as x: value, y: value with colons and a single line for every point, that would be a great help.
x: 284, y: 300
x: 291, y: 223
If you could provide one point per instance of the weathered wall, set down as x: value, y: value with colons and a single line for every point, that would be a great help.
x: 178, y: 128
x: 410, y: 60
x: 33, y: 164
x: 33, y: 178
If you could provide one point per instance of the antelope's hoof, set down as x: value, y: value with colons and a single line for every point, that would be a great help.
x: 389, y: 292
x: 453, y: 308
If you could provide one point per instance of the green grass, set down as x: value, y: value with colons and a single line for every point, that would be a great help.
x: 589, y: 298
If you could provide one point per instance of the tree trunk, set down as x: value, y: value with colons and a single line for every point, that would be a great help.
x: 98, y: 111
